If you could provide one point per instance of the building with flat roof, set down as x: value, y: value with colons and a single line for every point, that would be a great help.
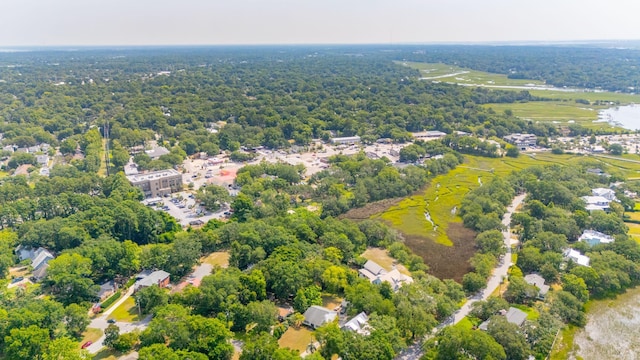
x: 157, y: 183
x: 432, y: 134
x: 522, y: 141
x: 346, y: 140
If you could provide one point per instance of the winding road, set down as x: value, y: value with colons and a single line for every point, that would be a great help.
x: 414, y: 352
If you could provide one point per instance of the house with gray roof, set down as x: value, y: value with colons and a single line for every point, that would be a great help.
x: 155, y: 153
x: 514, y: 316
x: 148, y: 278
x: 316, y: 316
x: 359, y: 324
x: 539, y: 282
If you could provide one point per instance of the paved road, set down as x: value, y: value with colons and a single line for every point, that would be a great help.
x: 503, y: 267
x: 414, y: 352
x: 101, y: 323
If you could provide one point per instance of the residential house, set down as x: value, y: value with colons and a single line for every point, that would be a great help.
x: 42, y: 159
x: 596, y: 203
x: 359, y: 324
x: 605, y: 193
x: 148, y: 278
x: 24, y: 252
x: 42, y: 257
x: 316, y: 316
x: 514, y: 316
x: 539, y: 282
x: 377, y: 275
x: 107, y: 289
x: 39, y: 260
x: 576, y: 257
x: 593, y: 237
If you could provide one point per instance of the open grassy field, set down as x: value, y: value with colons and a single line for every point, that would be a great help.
x: 296, y: 339
x: 382, y: 258
x: 634, y: 231
x: 561, y: 107
x: 127, y: 311
x: 458, y: 75
x: 218, y: 258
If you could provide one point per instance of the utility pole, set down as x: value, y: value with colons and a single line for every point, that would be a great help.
x: 106, y: 137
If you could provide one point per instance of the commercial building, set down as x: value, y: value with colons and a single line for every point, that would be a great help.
x: 522, y: 141
x: 346, y: 140
x: 428, y: 135
x: 157, y: 183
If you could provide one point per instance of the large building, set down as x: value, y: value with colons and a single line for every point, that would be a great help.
x: 346, y: 140
x: 157, y: 183
x: 522, y: 141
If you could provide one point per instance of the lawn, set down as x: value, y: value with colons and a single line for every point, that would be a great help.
x: 560, y: 111
x: 127, y: 311
x: 331, y: 302
x: 91, y: 334
x: 218, y: 258
x: 532, y: 314
x: 465, y: 323
x: 106, y: 354
x: 634, y: 231
x: 296, y: 339
x: 382, y: 258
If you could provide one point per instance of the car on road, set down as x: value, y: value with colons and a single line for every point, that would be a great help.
x: 86, y: 345
x: 111, y: 321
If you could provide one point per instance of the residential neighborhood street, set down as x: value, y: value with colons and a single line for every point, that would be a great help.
x: 415, y: 352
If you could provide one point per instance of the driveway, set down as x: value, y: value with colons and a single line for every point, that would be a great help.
x: 125, y: 327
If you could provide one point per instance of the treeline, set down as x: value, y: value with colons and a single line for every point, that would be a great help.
x: 269, y: 97
x: 581, y: 67
x: 482, y: 210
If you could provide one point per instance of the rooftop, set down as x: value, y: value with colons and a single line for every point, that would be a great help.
x: 538, y: 281
x: 152, y: 175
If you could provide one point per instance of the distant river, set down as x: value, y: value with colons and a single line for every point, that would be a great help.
x: 612, y: 331
x: 627, y: 116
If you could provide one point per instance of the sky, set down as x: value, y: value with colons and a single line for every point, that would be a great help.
x: 213, y: 22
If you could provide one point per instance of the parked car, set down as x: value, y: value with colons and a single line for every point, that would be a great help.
x: 87, y: 344
x: 111, y: 321
x: 15, y: 280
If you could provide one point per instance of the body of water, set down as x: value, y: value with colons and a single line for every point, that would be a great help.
x: 627, y: 116
x: 612, y: 330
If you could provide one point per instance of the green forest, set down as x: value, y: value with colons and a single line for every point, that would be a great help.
x: 284, y: 230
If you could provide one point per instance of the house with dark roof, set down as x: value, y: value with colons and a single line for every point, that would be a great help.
x: 316, y: 316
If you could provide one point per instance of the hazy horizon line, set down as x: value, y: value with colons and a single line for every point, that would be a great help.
x: 500, y: 42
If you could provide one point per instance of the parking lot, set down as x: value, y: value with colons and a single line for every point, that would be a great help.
x: 182, y: 206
